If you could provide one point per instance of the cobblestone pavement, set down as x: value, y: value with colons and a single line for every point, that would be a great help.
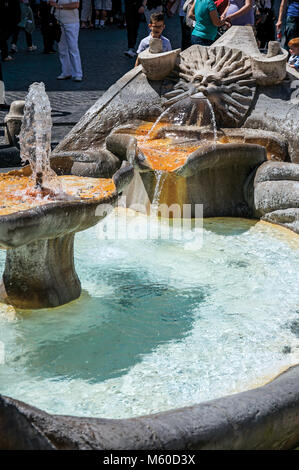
x: 67, y: 108
x: 104, y: 62
x: 102, y: 53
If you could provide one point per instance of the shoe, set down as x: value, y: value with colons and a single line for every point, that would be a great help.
x: 130, y: 53
x: 13, y: 49
x: 63, y: 77
x: 32, y: 48
x: 7, y: 59
x: 50, y: 52
x: 77, y: 79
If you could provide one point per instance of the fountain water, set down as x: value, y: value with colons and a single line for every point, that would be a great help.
x: 219, y: 176
x: 35, y: 139
x: 40, y: 212
x: 160, y: 179
x: 180, y: 115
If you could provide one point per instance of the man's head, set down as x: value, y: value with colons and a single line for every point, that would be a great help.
x: 294, y: 46
x: 157, y: 24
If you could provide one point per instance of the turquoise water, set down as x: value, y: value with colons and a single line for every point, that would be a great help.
x: 161, y: 323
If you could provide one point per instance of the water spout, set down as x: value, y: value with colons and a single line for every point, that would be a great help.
x: 198, y: 97
x: 201, y: 100
x: 35, y: 139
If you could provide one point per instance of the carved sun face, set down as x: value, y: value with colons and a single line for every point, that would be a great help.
x: 223, y: 75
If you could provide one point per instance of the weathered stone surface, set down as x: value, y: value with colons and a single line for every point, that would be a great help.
x: 274, y: 195
x: 277, y: 171
x: 241, y: 38
x: 264, y: 418
x: 124, y: 146
x: 267, y: 69
x: 275, y: 145
x: 13, y: 122
x: 276, y: 191
x: 39, y: 269
x: 275, y: 111
x: 96, y: 164
x: 131, y: 97
x: 223, y: 75
x: 158, y: 65
x: 213, y: 176
x: 288, y: 218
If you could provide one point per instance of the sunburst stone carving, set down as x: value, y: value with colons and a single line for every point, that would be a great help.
x: 222, y: 74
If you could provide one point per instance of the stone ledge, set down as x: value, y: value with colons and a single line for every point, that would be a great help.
x: 264, y: 418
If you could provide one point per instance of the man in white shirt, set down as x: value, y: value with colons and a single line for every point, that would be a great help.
x: 67, y: 13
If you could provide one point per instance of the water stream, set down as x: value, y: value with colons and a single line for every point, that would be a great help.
x: 35, y: 137
x: 160, y: 179
x: 214, y: 124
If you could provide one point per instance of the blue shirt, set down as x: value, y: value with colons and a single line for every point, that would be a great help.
x: 144, y: 44
x: 293, y: 8
x: 204, y: 27
x: 294, y: 60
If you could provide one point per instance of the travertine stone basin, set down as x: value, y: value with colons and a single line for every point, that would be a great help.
x: 38, y: 233
x: 198, y: 167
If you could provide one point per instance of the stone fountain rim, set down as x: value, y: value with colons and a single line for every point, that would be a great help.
x: 16, y: 228
x: 50, y: 207
x: 258, y: 418
x: 71, y: 204
x: 206, y: 153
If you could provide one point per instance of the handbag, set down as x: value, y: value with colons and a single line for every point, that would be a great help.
x: 54, y: 26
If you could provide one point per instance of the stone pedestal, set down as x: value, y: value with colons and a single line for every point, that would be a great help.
x: 41, y: 274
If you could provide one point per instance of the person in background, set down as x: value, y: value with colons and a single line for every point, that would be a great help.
x: 150, y: 7
x: 26, y: 24
x: 156, y: 26
x: 67, y: 13
x: 44, y: 14
x: 102, y: 7
x: 186, y: 30
x: 133, y: 10
x: 239, y: 13
x: 291, y: 7
x: 294, y: 51
x: 264, y: 22
x: 10, y: 16
x: 86, y: 14
x: 206, y: 22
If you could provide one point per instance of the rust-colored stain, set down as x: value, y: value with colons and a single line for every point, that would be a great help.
x: 17, y: 193
x: 162, y: 154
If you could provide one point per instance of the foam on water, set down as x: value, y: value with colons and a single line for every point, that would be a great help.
x: 161, y: 323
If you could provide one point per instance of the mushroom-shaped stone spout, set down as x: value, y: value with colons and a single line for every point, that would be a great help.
x: 38, y: 234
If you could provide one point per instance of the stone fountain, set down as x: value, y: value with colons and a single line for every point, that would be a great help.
x: 42, y: 206
x: 249, y: 96
x: 246, y: 165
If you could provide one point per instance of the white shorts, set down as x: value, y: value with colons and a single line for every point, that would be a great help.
x: 103, y: 5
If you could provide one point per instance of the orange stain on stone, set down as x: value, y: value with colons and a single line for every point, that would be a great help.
x: 162, y: 154
x: 17, y: 193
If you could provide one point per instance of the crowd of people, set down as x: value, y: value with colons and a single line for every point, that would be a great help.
x: 202, y: 21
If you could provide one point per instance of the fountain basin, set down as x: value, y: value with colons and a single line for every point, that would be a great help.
x: 196, y: 168
x: 161, y: 325
x: 38, y: 233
